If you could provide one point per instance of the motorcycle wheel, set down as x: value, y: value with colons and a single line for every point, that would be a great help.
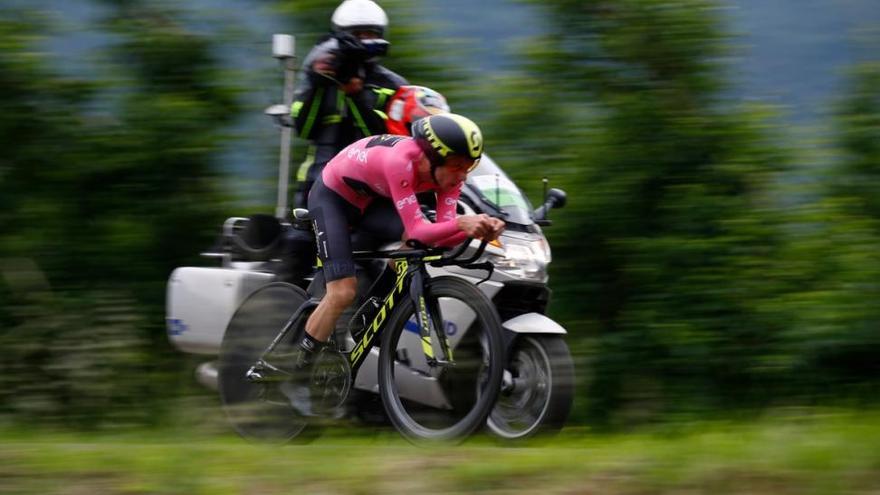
x: 258, y: 411
x: 453, y: 400
x: 537, y: 390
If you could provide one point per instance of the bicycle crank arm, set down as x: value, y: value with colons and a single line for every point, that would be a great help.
x: 258, y: 372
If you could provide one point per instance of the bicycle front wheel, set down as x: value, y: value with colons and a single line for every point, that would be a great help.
x: 428, y: 400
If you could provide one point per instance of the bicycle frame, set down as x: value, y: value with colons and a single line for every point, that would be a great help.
x: 411, y: 272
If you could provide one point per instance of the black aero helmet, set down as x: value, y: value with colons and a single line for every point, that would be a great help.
x: 445, y: 135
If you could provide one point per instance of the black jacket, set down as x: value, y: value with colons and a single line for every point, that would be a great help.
x: 330, y: 119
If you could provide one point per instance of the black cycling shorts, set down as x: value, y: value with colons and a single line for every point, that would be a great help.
x: 335, y: 219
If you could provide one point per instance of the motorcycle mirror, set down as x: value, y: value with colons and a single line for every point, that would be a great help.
x: 555, y: 198
x: 280, y: 114
x: 276, y: 110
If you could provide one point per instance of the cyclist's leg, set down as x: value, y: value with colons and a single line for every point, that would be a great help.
x: 333, y: 215
x: 340, y: 294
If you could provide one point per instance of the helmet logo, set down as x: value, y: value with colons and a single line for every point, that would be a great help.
x: 475, y: 140
x: 436, y: 143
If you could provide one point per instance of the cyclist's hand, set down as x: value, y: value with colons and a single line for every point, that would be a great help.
x: 478, y: 226
x: 497, y: 227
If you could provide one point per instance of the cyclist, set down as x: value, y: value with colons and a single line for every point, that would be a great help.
x: 380, y: 222
x: 442, y: 150
x: 343, y: 88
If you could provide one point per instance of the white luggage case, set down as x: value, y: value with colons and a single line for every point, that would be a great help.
x: 201, y: 301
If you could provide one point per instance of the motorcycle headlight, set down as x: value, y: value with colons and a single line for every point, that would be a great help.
x: 525, y: 259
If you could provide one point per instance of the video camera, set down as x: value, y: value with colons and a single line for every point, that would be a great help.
x: 352, y: 53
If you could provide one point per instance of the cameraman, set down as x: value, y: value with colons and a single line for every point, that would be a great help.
x: 343, y: 90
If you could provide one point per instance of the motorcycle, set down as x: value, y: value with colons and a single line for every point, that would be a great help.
x: 538, y: 382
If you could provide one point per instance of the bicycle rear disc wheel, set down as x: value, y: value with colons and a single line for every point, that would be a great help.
x: 258, y: 411
x: 442, y: 402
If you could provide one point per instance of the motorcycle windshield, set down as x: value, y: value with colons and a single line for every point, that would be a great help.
x: 496, y: 188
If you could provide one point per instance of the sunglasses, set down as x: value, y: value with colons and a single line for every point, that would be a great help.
x: 467, y: 166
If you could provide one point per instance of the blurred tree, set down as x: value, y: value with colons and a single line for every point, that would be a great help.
x: 836, y: 319
x: 858, y: 120
x: 663, y: 255
x: 160, y: 162
x: 99, y: 180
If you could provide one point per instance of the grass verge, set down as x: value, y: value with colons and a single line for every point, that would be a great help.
x: 797, y: 453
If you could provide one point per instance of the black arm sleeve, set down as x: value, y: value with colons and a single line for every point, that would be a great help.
x: 312, y: 88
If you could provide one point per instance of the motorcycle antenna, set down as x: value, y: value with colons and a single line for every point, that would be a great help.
x: 545, y: 181
x: 497, y: 190
x: 283, y: 49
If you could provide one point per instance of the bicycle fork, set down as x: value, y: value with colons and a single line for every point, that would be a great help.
x: 429, y: 321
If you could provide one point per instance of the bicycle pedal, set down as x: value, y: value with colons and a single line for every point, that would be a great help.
x: 258, y: 372
x: 254, y: 374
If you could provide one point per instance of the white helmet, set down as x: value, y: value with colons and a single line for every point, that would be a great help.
x: 359, y: 14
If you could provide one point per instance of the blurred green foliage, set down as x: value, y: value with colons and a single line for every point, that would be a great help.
x: 695, y: 271
x: 670, y: 214
x: 97, y: 196
x: 695, y: 282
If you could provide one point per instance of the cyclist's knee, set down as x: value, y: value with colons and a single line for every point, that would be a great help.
x: 342, y: 292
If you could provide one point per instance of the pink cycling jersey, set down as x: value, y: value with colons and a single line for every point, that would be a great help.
x: 386, y: 166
